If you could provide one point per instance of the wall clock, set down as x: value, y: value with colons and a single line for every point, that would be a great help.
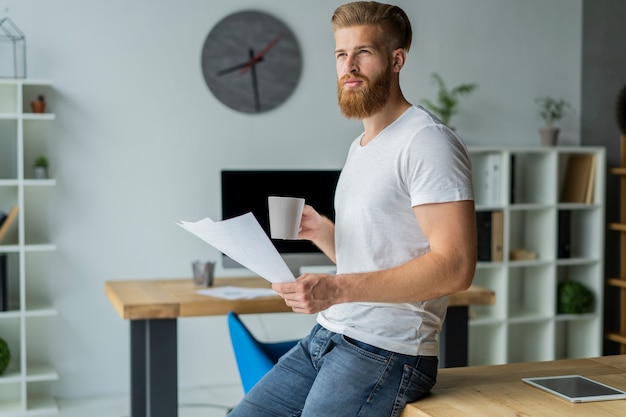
x: 251, y: 61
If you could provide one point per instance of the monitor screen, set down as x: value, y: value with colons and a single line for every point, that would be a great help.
x: 246, y: 191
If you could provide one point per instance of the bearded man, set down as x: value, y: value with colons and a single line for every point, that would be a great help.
x: 403, y: 240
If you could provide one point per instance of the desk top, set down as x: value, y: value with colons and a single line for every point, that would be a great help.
x: 497, y: 390
x: 172, y: 298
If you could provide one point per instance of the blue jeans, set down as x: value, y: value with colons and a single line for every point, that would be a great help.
x: 330, y: 375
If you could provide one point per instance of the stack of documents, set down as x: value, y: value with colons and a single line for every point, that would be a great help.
x: 242, y: 239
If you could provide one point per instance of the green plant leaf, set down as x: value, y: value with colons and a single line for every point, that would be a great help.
x: 5, y: 355
x: 447, y: 100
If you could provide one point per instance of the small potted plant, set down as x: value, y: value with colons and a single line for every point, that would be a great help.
x: 41, y: 168
x: 551, y: 111
x: 447, y: 100
x: 39, y: 105
x: 5, y: 355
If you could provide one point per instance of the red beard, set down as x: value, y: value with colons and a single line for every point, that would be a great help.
x: 366, y: 100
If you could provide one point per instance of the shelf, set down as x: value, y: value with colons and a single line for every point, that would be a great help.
x: 41, y: 374
x: 10, y: 377
x: 619, y: 282
x: 530, y: 263
x: 26, y: 81
x: 485, y: 321
x: 40, y: 312
x: 530, y: 206
x: 38, y: 116
x: 26, y: 327
x: 575, y: 317
x: 40, y: 247
x: 9, y: 248
x: 576, y: 261
x: 46, y: 183
x: 526, y: 184
x: 529, y: 317
x: 10, y: 314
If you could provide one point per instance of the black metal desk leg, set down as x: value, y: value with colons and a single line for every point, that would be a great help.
x: 138, y: 368
x: 154, y: 368
x: 453, y: 340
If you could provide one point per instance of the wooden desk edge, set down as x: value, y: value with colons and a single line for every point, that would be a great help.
x: 169, y: 307
x: 114, y: 298
x: 594, y: 367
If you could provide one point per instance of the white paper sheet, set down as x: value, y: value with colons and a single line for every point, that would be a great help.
x: 237, y: 293
x: 242, y: 239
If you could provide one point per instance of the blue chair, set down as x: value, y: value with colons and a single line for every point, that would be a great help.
x: 254, y: 358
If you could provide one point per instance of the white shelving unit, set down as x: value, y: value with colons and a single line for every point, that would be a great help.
x: 25, y: 385
x: 523, y: 325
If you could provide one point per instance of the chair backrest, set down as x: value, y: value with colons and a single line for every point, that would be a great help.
x: 252, y: 360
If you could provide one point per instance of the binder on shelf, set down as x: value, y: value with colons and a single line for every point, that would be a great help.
x: 483, y: 235
x: 490, y: 236
x: 6, y: 225
x: 579, y: 179
x: 591, y: 182
x: 564, y: 236
x: 491, y: 182
x: 4, y: 291
x: 497, y: 236
x: 513, y: 190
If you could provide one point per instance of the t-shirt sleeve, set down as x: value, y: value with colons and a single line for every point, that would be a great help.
x: 437, y: 167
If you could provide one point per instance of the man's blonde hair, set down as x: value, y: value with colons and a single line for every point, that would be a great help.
x: 392, y: 19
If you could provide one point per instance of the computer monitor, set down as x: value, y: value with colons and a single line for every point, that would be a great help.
x: 246, y: 191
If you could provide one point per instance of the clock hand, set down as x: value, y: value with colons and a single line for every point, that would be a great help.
x: 236, y: 67
x: 255, y: 84
x: 253, y: 59
x: 259, y: 56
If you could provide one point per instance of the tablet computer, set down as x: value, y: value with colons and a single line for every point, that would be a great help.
x: 576, y: 388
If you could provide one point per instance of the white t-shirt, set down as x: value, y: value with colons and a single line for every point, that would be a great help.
x: 415, y: 160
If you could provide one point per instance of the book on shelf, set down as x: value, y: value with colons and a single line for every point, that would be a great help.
x: 564, y: 234
x: 497, y: 236
x: 4, y: 290
x: 490, y: 236
x: 491, y: 180
x: 8, y: 221
x: 579, y: 179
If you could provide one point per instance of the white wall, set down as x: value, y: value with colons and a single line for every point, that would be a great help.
x: 139, y: 141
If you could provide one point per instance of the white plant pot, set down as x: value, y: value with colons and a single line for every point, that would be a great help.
x: 549, y: 136
x: 41, y: 173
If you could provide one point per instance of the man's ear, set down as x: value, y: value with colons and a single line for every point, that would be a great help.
x: 399, y: 57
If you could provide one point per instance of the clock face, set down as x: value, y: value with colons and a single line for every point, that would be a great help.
x: 251, y: 61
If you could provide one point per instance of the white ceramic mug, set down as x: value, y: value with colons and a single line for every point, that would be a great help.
x: 285, y: 214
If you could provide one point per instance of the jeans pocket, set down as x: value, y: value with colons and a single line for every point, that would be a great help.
x: 421, y: 378
x: 368, y: 350
x: 417, y: 381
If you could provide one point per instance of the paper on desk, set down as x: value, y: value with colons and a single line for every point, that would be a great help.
x: 237, y: 293
x: 242, y: 239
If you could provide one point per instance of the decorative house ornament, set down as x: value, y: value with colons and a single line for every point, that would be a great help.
x: 13, y: 56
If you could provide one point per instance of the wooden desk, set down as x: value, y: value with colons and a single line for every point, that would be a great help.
x: 496, y: 391
x: 153, y: 306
